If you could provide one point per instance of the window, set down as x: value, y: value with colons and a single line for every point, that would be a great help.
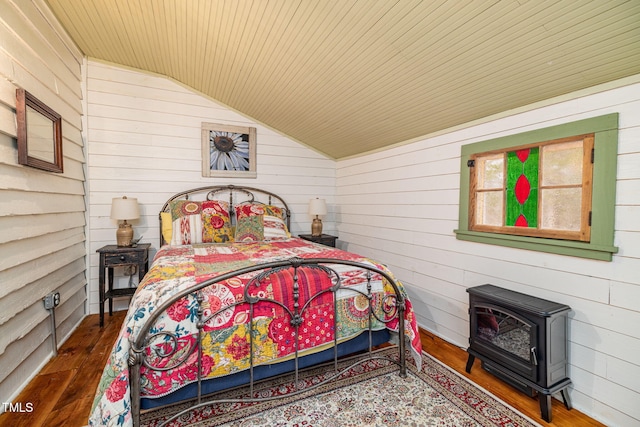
x: 551, y: 190
x: 541, y: 190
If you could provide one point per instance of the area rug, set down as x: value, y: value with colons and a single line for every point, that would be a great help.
x: 371, y: 395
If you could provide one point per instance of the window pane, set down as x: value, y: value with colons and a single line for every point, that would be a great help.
x: 562, y: 164
x: 561, y: 208
x: 490, y: 173
x: 489, y: 208
x: 522, y: 188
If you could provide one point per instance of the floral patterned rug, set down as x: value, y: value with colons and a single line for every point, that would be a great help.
x: 372, y: 395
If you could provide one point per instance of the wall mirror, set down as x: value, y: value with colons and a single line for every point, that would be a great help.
x: 39, y: 133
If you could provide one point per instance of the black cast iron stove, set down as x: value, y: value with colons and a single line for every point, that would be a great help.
x: 522, y: 340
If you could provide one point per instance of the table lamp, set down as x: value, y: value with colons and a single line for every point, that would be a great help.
x: 124, y: 209
x: 317, y: 207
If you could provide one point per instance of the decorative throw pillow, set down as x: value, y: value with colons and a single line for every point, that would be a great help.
x: 216, y: 223
x: 270, y: 226
x: 200, y: 222
x: 250, y: 229
x: 167, y: 226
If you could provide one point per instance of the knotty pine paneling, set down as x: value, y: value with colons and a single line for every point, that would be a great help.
x: 349, y: 76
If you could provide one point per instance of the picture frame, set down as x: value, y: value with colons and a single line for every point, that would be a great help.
x: 39, y: 133
x: 228, y: 151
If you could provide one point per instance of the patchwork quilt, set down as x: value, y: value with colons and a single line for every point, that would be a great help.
x: 226, y: 342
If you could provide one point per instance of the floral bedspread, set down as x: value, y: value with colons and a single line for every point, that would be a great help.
x: 226, y: 342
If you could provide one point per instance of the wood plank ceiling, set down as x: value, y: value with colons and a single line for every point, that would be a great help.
x: 351, y: 76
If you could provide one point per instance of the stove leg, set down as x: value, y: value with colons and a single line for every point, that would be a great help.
x: 545, y: 406
x: 470, y: 361
x: 565, y: 398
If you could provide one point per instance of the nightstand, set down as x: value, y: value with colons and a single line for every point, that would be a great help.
x: 118, y: 256
x: 324, y: 239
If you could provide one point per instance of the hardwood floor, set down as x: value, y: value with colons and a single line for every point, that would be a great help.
x: 62, y: 393
x: 456, y: 358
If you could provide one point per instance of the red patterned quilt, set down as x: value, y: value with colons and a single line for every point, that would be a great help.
x: 225, y: 344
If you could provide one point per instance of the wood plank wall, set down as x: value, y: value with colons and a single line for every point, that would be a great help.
x: 42, y: 214
x: 401, y: 206
x: 143, y: 141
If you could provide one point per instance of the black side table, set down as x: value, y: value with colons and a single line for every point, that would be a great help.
x: 117, y: 256
x: 324, y: 239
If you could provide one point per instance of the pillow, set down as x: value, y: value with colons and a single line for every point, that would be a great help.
x: 167, y: 226
x: 216, y: 222
x: 257, y: 222
x: 200, y: 222
x: 250, y: 229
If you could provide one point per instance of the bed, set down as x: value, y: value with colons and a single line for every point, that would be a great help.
x: 232, y: 298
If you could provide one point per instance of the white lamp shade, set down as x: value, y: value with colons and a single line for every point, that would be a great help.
x: 317, y: 207
x: 124, y: 208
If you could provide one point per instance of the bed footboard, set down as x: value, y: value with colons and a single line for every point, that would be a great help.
x: 153, y: 349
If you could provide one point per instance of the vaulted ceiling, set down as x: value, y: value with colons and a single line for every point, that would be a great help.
x: 351, y: 76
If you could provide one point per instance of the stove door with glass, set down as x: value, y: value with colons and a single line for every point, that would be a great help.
x: 505, y: 338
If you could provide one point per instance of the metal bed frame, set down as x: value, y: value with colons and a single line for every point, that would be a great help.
x: 394, y: 309
x: 237, y: 194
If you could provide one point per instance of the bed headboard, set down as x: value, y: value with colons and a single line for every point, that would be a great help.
x: 233, y: 194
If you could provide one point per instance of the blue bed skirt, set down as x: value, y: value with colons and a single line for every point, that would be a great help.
x: 359, y: 343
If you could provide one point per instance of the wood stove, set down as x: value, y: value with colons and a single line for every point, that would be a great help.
x: 522, y: 340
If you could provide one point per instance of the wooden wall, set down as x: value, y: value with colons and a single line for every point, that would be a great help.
x: 401, y: 206
x: 143, y: 141
x: 42, y: 214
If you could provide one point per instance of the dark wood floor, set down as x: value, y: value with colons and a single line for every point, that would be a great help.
x: 62, y: 393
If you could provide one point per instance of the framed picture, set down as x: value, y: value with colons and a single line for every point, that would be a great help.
x: 39, y: 132
x: 228, y: 151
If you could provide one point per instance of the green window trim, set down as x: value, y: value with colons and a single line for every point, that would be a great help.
x: 601, y: 245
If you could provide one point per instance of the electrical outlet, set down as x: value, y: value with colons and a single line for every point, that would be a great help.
x: 130, y: 270
x: 52, y: 300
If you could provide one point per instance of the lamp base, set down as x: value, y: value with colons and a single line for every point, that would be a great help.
x: 124, y: 234
x: 316, y: 227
